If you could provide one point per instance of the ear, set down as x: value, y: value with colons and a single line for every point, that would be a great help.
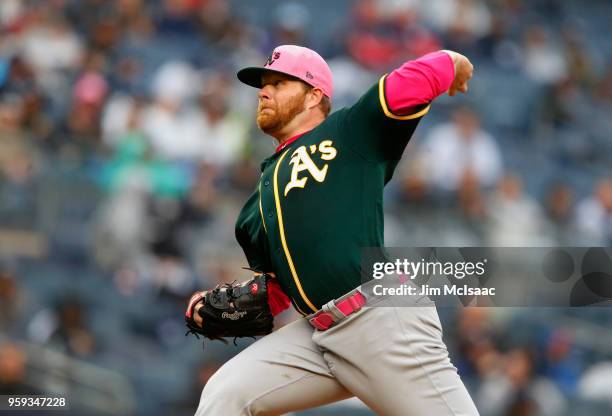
x: 313, y: 98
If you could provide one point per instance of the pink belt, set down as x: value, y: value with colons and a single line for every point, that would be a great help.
x: 347, y: 305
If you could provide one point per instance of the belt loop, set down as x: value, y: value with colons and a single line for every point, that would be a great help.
x: 330, y: 307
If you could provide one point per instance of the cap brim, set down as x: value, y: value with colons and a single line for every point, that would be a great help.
x: 252, y: 75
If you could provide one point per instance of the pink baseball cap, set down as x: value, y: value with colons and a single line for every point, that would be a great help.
x: 297, y: 61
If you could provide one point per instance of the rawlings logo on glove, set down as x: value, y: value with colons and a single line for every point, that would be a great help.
x: 233, y: 316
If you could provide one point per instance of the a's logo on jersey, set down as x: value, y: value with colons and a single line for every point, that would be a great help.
x: 301, y: 161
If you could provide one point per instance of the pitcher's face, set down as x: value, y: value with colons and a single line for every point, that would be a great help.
x: 281, y: 98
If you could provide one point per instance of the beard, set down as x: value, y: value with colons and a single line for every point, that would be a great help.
x: 277, y: 117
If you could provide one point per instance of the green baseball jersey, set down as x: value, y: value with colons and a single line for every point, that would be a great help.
x: 320, y: 200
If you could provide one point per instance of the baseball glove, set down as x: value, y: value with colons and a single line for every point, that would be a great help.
x: 232, y: 310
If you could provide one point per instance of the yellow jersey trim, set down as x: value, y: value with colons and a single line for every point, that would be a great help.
x: 281, y: 228
x: 388, y: 113
x: 263, y: 221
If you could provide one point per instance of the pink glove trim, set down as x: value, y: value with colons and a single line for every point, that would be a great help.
x: 418, y: 82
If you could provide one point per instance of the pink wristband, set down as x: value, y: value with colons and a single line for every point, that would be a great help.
x: 418, y: 82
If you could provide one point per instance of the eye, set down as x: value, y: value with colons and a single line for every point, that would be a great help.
x: 278, y: 82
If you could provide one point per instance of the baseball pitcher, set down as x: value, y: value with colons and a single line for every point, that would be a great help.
x: 318, y: 201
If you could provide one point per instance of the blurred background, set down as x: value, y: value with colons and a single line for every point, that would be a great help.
x: 127, y: 148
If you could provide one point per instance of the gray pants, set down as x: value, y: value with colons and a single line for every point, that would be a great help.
x: 393, y: 359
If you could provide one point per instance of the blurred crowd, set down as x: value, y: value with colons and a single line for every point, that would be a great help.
x: 129, y: 147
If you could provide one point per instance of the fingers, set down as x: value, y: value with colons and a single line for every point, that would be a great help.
x: 468, y: 76
x: 458, y: 87
x: 194, y: 298
x: 460, y: 84
x: 463, y: 73
x: 197, y: 318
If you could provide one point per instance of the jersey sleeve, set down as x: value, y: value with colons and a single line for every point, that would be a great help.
x: 256, y: 259
x: 373, y: 131
x: 250, y: 234
x: 382, y: 122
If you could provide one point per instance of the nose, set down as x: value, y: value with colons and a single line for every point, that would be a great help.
x: 265, y: 92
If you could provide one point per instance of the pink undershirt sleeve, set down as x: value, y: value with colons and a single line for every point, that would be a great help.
x: 277, y: 300
x: 418, y: 82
